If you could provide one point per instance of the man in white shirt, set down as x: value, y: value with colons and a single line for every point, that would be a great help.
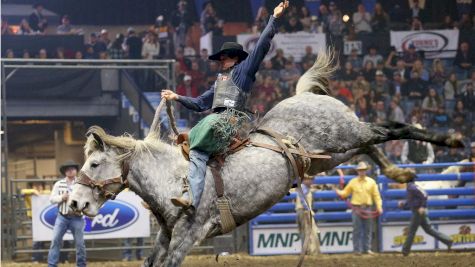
x: 66, y: 219
x: 362, y: 20
x: 372, y: 56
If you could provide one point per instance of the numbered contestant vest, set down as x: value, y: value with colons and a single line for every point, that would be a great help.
x: 227, y: 94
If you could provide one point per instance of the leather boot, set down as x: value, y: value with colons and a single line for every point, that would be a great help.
x: 181, y: 202
x: 185, y: 200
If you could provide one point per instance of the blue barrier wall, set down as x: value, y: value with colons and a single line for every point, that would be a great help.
x: 329, y: 209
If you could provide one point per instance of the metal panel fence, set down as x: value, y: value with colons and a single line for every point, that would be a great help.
x: 459, y: 208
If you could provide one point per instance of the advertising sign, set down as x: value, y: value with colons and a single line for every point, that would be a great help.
x: 350, y: 45
x: 123, y: 217
x: 285, y: 239
x: 293, y: 44
x: 436, y: 43
x: 462, y: 234
x: 394, y: 236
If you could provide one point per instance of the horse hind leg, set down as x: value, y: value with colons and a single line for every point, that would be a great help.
x: 321, y: 165
x: 389, y: 169
x: 395, y: 131
x: 392, y: 171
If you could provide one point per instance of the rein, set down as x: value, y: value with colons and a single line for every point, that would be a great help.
x: 85, y: 180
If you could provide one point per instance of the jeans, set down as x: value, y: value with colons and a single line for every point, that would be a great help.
x: 196, y: 175
x: 422, y: 220
x: 450, y: 106
x: 409, y: 105
x: 128, y: 251
x: 362, y: 230
x: 64, y: 255
x: 61, y: 225
x: 462, y: 73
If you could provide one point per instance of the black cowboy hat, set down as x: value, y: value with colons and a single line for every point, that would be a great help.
x: 68, y: 164
x: 231, y: 49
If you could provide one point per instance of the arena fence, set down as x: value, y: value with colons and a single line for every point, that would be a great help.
x: 16, y: 227
x: 19, y: 239
x: 275, y: 231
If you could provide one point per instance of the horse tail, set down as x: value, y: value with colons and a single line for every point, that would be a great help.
x: 317, y: 79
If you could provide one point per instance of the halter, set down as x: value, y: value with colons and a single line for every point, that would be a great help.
x: 83, y: 179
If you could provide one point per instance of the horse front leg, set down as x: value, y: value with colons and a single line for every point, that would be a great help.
x: 185, y: 233
x: 160, y: 250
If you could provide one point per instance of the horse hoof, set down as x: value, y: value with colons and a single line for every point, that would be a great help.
x: 399, y: 175
x: 454, y: 141
x: 407, y: 176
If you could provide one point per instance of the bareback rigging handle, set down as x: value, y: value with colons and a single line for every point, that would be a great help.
x: 171, y: 117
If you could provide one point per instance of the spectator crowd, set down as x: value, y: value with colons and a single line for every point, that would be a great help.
x: 377, y: 85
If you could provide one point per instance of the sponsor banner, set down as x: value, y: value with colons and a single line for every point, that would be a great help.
x: 293, y: 44
x: 285, y: 239
x: 393, y: 237
x: 436, y: 44
x: 462, y: 234
x: 206, y: 42
x: 123, y: 217
x: 350, y: 45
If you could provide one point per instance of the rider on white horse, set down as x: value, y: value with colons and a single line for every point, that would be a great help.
x: 227, y: 98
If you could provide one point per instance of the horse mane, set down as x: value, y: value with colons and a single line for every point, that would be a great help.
x: 317, y: 79
x: 126, y: 144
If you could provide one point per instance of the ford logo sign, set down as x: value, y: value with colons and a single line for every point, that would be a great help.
x: 113, y: 216
x: 425, y: 41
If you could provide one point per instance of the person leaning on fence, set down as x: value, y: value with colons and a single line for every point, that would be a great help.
x: 418, y: 152
x: 66, y: 219
x: 307, y: 226
x: 364, y: 194
x: 460, y: 169
x: 417, y: 202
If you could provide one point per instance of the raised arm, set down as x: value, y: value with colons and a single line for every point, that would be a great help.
x: 251, y: 64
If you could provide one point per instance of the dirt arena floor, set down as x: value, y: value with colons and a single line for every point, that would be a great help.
x: 458, y: 259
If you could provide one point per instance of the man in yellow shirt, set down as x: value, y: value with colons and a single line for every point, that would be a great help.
x: 364, y: 194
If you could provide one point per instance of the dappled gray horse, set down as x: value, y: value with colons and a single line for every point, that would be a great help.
x: 254, y: 178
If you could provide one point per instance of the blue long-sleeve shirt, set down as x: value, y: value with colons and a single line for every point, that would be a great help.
x: 416, y: 197
x: 244, y: 73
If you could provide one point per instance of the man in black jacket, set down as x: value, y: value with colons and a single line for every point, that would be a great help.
x: 37, y: 21
x: 464, y: 61
x: 417, y: 202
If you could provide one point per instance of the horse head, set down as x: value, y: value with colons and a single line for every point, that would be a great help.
x: 104, y: 174
x: 106, y: 170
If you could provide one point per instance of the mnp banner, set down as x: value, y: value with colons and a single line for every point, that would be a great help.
x: 281, y: 239
x: 123, y: 217
x: 435, y: 43
x: 293, y: 44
